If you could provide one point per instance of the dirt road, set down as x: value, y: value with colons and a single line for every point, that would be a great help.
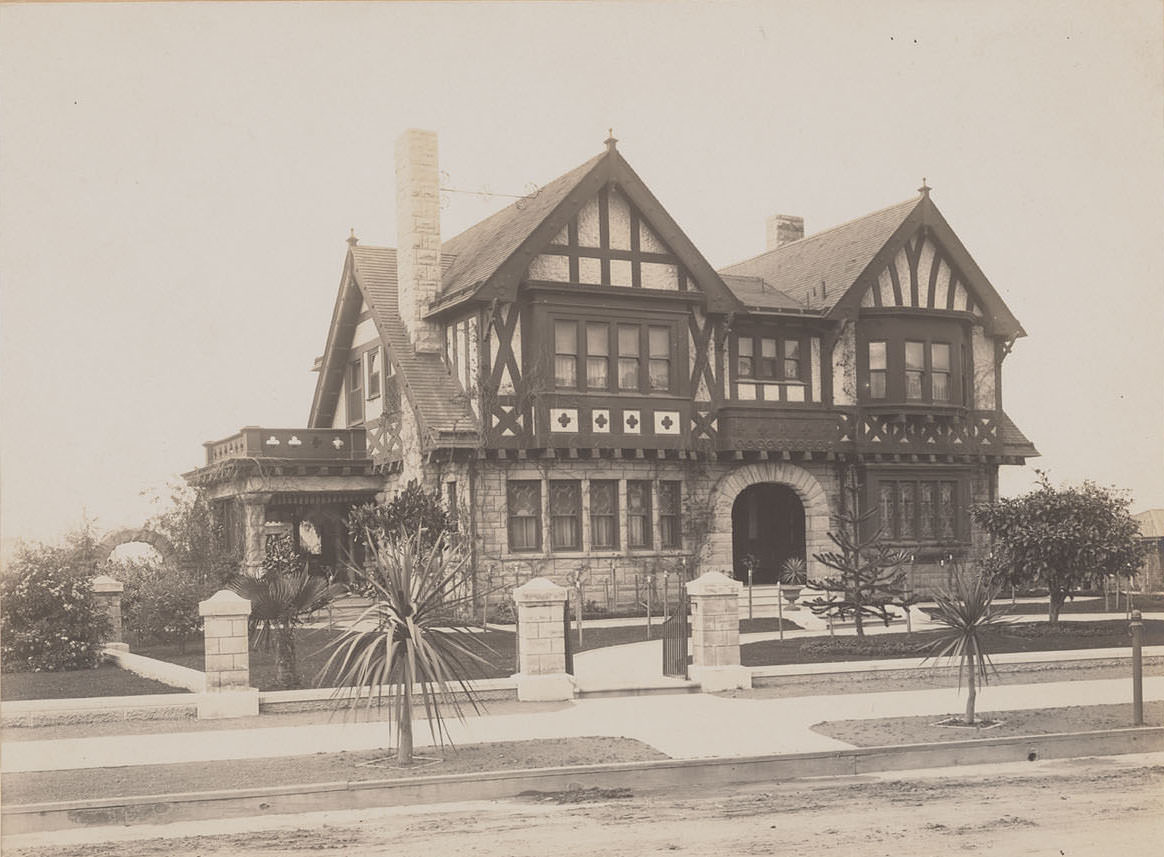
x: 1064, y: 808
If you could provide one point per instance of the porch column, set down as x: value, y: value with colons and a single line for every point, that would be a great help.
x: 108, y: 592
x: 228, y: 661
x: 254, y: 508
x: 541, y: 642
x: 715, y: 633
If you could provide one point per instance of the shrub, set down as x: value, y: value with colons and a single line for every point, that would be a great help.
x: 50, y: 619
x: 160, y: 603
x: 861, y: 646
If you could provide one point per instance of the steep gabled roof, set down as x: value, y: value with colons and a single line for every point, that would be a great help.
x: 835, y: 257
x: 830, y: 270
x: 493, y: 256
x: 1151, y: 523
x: 370, y: 275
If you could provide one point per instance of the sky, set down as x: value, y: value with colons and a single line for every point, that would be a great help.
x: 177, y: 181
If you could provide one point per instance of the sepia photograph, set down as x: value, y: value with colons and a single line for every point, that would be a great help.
x: 592, y: 428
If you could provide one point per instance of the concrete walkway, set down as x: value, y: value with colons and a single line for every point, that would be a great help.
x: 683, y: 727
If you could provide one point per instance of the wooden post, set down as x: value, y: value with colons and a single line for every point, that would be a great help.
x: 1137, y: 627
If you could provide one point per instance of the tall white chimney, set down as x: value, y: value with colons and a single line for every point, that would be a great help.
x: 418, y: 235
x: 784, y: 229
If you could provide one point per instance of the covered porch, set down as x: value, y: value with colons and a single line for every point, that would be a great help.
x: 298, y: 482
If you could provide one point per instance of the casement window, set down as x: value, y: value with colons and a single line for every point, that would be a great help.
x: 638, y: 513
x: 940, y: 371
x: 915, y: 369
x: 628, y: 357
x: 372, y: 371
x: 565, y: 514
x: 919, y: 509
x: 566, y: 354
x: 878, y: 370
x: 659, y: 358
x: 597, y: 356
x: 524, y: 498
x: 604, y: 513
x: 669, y: 511
x: 355, y: 392
x: 771, y: 368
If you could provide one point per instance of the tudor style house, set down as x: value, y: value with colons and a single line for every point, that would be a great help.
x: 585, y: 390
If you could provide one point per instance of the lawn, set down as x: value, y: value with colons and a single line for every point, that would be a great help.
x: 1020, y: 637
x: 1144, y: 603
x: 105, y: 680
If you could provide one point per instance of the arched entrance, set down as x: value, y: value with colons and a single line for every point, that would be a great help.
x: 768, y: 525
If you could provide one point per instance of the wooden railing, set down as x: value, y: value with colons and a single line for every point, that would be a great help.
x: 309, y: 444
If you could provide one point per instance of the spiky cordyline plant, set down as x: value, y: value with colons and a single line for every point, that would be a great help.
x: 414, y: 642
x: 967, y: 611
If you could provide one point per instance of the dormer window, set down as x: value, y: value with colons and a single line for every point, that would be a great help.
x: 771, y: 368
x: 913, y: 362
x: 372, y: 369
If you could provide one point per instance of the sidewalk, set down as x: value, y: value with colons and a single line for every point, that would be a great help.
x: 684, y: 727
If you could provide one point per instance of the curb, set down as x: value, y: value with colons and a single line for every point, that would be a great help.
x: 168, y: 808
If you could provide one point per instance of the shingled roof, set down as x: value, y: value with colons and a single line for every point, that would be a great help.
x: 834, y: 258
x: 440, y: 404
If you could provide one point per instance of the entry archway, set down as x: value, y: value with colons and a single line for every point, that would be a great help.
x: 768, y: 528
x: 806, y: 487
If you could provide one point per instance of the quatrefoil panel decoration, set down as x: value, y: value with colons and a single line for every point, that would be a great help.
x: 667, y: 422
x: 600, y: 420
x: 564, y: 420
x: 632, y: 422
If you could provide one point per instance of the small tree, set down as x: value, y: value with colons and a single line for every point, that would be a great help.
x: 1061, y: 538
x: 280, y: 600
x: 870, y: 576
x: 412, y: 510
x: 49, y: 618
x: 412, y: 644
x: 967, y: 611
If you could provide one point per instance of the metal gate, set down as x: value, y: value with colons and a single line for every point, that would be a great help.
x: 566, y: 635
x: 676, y: 629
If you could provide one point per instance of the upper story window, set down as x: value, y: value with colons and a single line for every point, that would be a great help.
x: 771, y: 368
x: 355, y: 392
x: 588, y: 353
x: 372, y: 371
x: 913, y: 361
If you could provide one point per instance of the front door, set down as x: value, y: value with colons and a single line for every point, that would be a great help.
x: 768, y: 524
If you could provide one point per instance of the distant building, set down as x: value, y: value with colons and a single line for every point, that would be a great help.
x: 1152, y: 533
x: 583, y: 388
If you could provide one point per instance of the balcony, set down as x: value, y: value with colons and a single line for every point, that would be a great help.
x: 318, y: 445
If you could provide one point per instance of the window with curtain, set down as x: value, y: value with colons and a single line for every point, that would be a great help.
x: 566, y: 354
x: 918, y: 509
x: 565, y: 514
x: 525, y: 514
x: 638, y: 513
x: 878, y: 369
x: 597, y: 356
x: 669, y: 511
x: 628, y: 357
x: 940, y: 371
x: 604, y: 513
x: 915, y: 369
x: 372, y: 365
x: 659, y: 358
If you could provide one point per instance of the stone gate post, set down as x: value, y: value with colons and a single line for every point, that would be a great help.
x: 541, y: 642
x: 715, y: 633
x: 228, y: 668
x: 107, y: 592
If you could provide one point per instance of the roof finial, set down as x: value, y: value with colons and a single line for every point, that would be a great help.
x: 610, y: 141
x: 352, y: 239
x: 925, y: 189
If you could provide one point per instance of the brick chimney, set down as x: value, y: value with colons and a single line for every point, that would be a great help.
x: 418, y: 235
x: 783, y: 229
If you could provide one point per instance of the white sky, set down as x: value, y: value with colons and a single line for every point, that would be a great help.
x: 177, y: 181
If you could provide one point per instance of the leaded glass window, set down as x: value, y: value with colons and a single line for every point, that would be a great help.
x: 888, y: 516
x: 604, y: 513
x: 638, y: 513
x: 908, y: 509
x: 525, y: 514
x: 565, y: 514
x: 946, y: 509
x: 927, y: 510
x: 669, y: 506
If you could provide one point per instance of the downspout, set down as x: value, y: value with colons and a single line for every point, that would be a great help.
x: 473, y: 527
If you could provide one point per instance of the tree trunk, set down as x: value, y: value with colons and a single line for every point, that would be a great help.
x: 857, y: 621
x: 286, y: 668
x: 404, y: 750
x: 1054, y: 605
x: 971, y: 694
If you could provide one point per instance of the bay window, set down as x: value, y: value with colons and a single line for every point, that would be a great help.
x: 913, y: 361
x: 566, y: 354
x: 586, y: 353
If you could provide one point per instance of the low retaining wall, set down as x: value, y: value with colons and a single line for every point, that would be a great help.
x: 324, y: 698
x: 102, y: 709
x: 163, y: 671
x: 165, y: 809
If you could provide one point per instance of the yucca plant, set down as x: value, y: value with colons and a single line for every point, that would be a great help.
x: 408, y: 641
x: 280, y: 602
x: 966, y: 610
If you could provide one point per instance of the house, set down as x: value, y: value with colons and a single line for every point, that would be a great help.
x: 585, y: 389
x: 1152, y: 536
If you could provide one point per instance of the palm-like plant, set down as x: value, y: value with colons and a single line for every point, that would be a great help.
x: 280, y: 601
x: 408, y: 641
x: 966, y: 610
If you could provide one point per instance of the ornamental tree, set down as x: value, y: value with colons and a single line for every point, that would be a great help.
x: 1062, y: 538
